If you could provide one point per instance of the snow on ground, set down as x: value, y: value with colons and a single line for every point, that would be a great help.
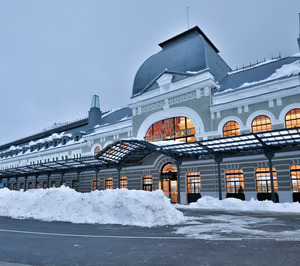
x: 232, y: 204
x: 125, y: 207
x: 236, y: 227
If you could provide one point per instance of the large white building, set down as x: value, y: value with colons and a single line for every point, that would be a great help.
x: 233, y: 123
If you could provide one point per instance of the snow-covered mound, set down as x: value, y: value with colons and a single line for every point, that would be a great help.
x: 126, y: 207
x: 232, y: 204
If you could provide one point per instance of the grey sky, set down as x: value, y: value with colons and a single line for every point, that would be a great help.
x: 55, y: 54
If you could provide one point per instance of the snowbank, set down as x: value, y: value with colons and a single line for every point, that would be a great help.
x: 232, y: 204
x: 126, y: 207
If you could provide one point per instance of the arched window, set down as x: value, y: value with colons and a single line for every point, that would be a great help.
x: 147, y: 183
x: 295, y: 174
x: 97, y: 150
x: 261, y: 123
x: 193, y: 183
x: 179, y: 129
x: 109, y: 183
x: 292, y: 119
x: 234, y: 180
x: 169, y: 168
x: 231, y: 129
x: 263, y: 180
x: 124, y: 182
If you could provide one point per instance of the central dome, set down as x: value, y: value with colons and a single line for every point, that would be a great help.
x: 188, y: 51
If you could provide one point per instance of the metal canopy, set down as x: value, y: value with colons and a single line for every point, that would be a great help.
x: 126, y: 152
x: 131, y: 152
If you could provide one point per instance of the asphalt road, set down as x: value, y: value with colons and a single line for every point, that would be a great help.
x: 209, y: 238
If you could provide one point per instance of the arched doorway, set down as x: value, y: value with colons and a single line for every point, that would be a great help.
x: 168, y: 184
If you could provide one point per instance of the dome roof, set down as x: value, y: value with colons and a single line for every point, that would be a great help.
x: 188, y: 51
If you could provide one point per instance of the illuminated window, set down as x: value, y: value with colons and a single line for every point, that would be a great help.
x: 97, y: 150
x: 261, y: 124
x: 263, y: 180
x: 53, y: 184
x: 147, y: 183
x: 169, y: 168
x: 38, y: 186
x: 234, y: 181
x: 124, y: 182
x: 194, y: 182
x: 94, y: 183
x: 231, y: 129
x: 15, y: 186
x: 109, y: 183
x: 295, y: 174
x: 292, y: 119
x: 181, y: 129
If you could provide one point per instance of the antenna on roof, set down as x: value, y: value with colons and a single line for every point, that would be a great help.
x: 188, y: 17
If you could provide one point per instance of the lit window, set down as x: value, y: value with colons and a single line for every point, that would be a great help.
x: 295, y: 174
x: 234, y: 181
x: 97, y: 150
x: 261, y: 124
x: 169, y: 168
x: 109, y: 183
x: 38, y: 186
x: 181, y: 129
x: 231, y: 129
x: 194, y: 183
x: 124, y: 182
x: 53, y: 184
x: 263, y: 180
x: 94, y: 183
x: 292, y: 119
x: 147, y: 183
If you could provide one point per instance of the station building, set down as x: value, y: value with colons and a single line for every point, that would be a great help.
x: 194, y: 127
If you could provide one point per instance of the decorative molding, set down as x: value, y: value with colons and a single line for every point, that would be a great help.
x: 271, y: 103
x: 240, y: 110
x: 278, y: 101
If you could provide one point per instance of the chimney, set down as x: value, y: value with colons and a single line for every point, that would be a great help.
x: 95, y: 112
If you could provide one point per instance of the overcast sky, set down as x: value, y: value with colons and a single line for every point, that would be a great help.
x: 55, y: 54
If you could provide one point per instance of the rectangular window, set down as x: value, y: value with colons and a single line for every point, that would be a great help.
x: 194, y: 183
x: 295, y: 175
x: 109, y: 183
x: 94, y: 184
x: 124, y: 182
x: 263, y: 180
x: 234, y: 181
x: 147, y: 183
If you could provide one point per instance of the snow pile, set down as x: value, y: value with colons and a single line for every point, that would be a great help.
x: 126, y: 207
x: 232, y: 204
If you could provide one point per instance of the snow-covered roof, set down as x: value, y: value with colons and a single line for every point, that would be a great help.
x: 261, y: 73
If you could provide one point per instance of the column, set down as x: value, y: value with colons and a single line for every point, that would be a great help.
x: 270, y: 155
x: 218, y: 160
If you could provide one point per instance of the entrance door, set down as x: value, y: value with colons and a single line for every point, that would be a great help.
x: 169, y: 183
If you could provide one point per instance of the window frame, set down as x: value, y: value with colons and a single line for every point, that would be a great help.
x: 267, y: 180
x: 262, y: 125
x: 231, y: 135
x: 192, y: 187
x: 236, y: 173
x: 297, y: 119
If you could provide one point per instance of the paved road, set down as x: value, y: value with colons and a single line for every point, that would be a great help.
x: 209, y: 238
